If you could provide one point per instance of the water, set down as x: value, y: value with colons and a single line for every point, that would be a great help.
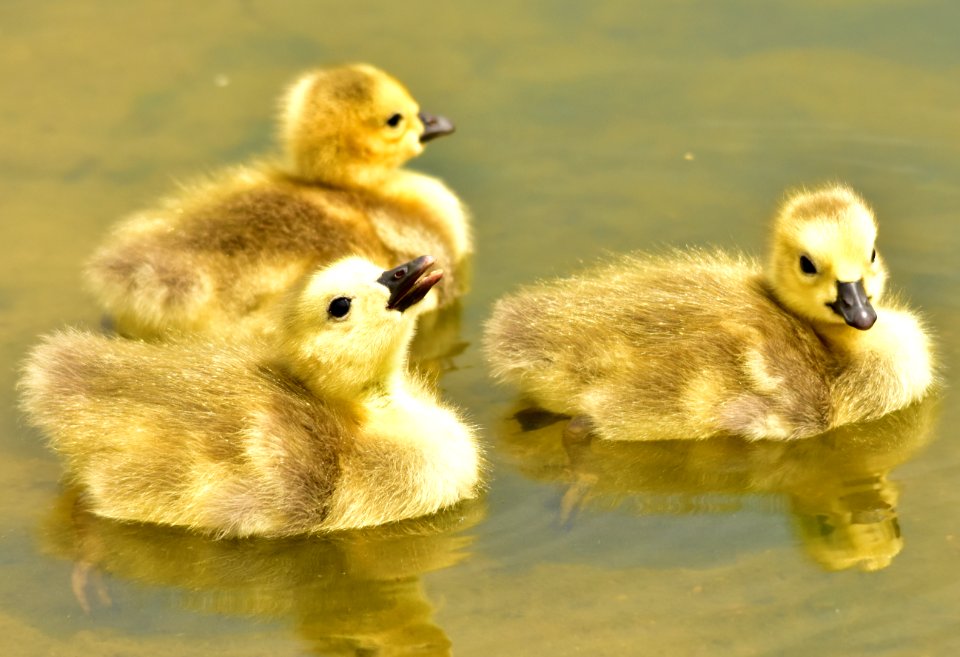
x: 583, y: 129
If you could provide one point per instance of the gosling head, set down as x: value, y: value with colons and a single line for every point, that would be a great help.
x: 824, y: 264
x: 345, y: 327
x: 352, y: 126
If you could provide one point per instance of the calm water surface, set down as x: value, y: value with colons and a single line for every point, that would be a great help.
x: 584, y: 128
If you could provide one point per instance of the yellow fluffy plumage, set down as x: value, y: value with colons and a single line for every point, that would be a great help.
x: 691, y: 344
x: 319, y: 428
x: 218, y: 256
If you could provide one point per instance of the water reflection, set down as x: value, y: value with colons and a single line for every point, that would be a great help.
x: 835, y: 485
x: 348, y: 593
x: 437, y: 342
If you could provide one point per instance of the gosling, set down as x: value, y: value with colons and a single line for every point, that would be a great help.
x: 692, y: 344
x: 319, y: 429
x: 217, y: 257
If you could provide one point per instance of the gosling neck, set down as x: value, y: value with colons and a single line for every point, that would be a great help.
x: 325, y: 173
x: 843, y: 338
x: 348, y: 377
x: 838, y: 336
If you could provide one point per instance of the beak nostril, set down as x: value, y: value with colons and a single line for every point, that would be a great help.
x: 410, y: 282
x: 434, y: 126
x: 853, y: 305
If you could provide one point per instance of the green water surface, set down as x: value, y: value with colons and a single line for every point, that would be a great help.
x: 584, y: 128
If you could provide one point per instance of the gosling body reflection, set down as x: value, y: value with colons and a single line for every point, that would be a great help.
x: 836, y: 485
x: 350, y: 593
x: 699, y: 343
x: 218, y: 257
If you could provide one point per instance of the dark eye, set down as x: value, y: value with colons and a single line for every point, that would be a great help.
x: 873, y: 256
x: 399, y: 274
x: 806, y: 265
x: 339, y: 307
x: 395, y: 120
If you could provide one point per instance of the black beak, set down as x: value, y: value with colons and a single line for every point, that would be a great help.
x: 410, y: 282
x: 852, y: 304
x: 434, y: 126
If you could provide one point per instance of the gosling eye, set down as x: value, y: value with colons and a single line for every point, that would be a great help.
x: 873, y: 256
x: 807, y: 266
x: 339, y: 307
x: 395, y: 120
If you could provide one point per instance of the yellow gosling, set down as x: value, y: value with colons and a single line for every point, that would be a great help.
x: 320, y: 428
x: 219, y: 255
x: 697, y: 343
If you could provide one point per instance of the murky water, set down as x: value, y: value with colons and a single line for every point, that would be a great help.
x: 584, y: 128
